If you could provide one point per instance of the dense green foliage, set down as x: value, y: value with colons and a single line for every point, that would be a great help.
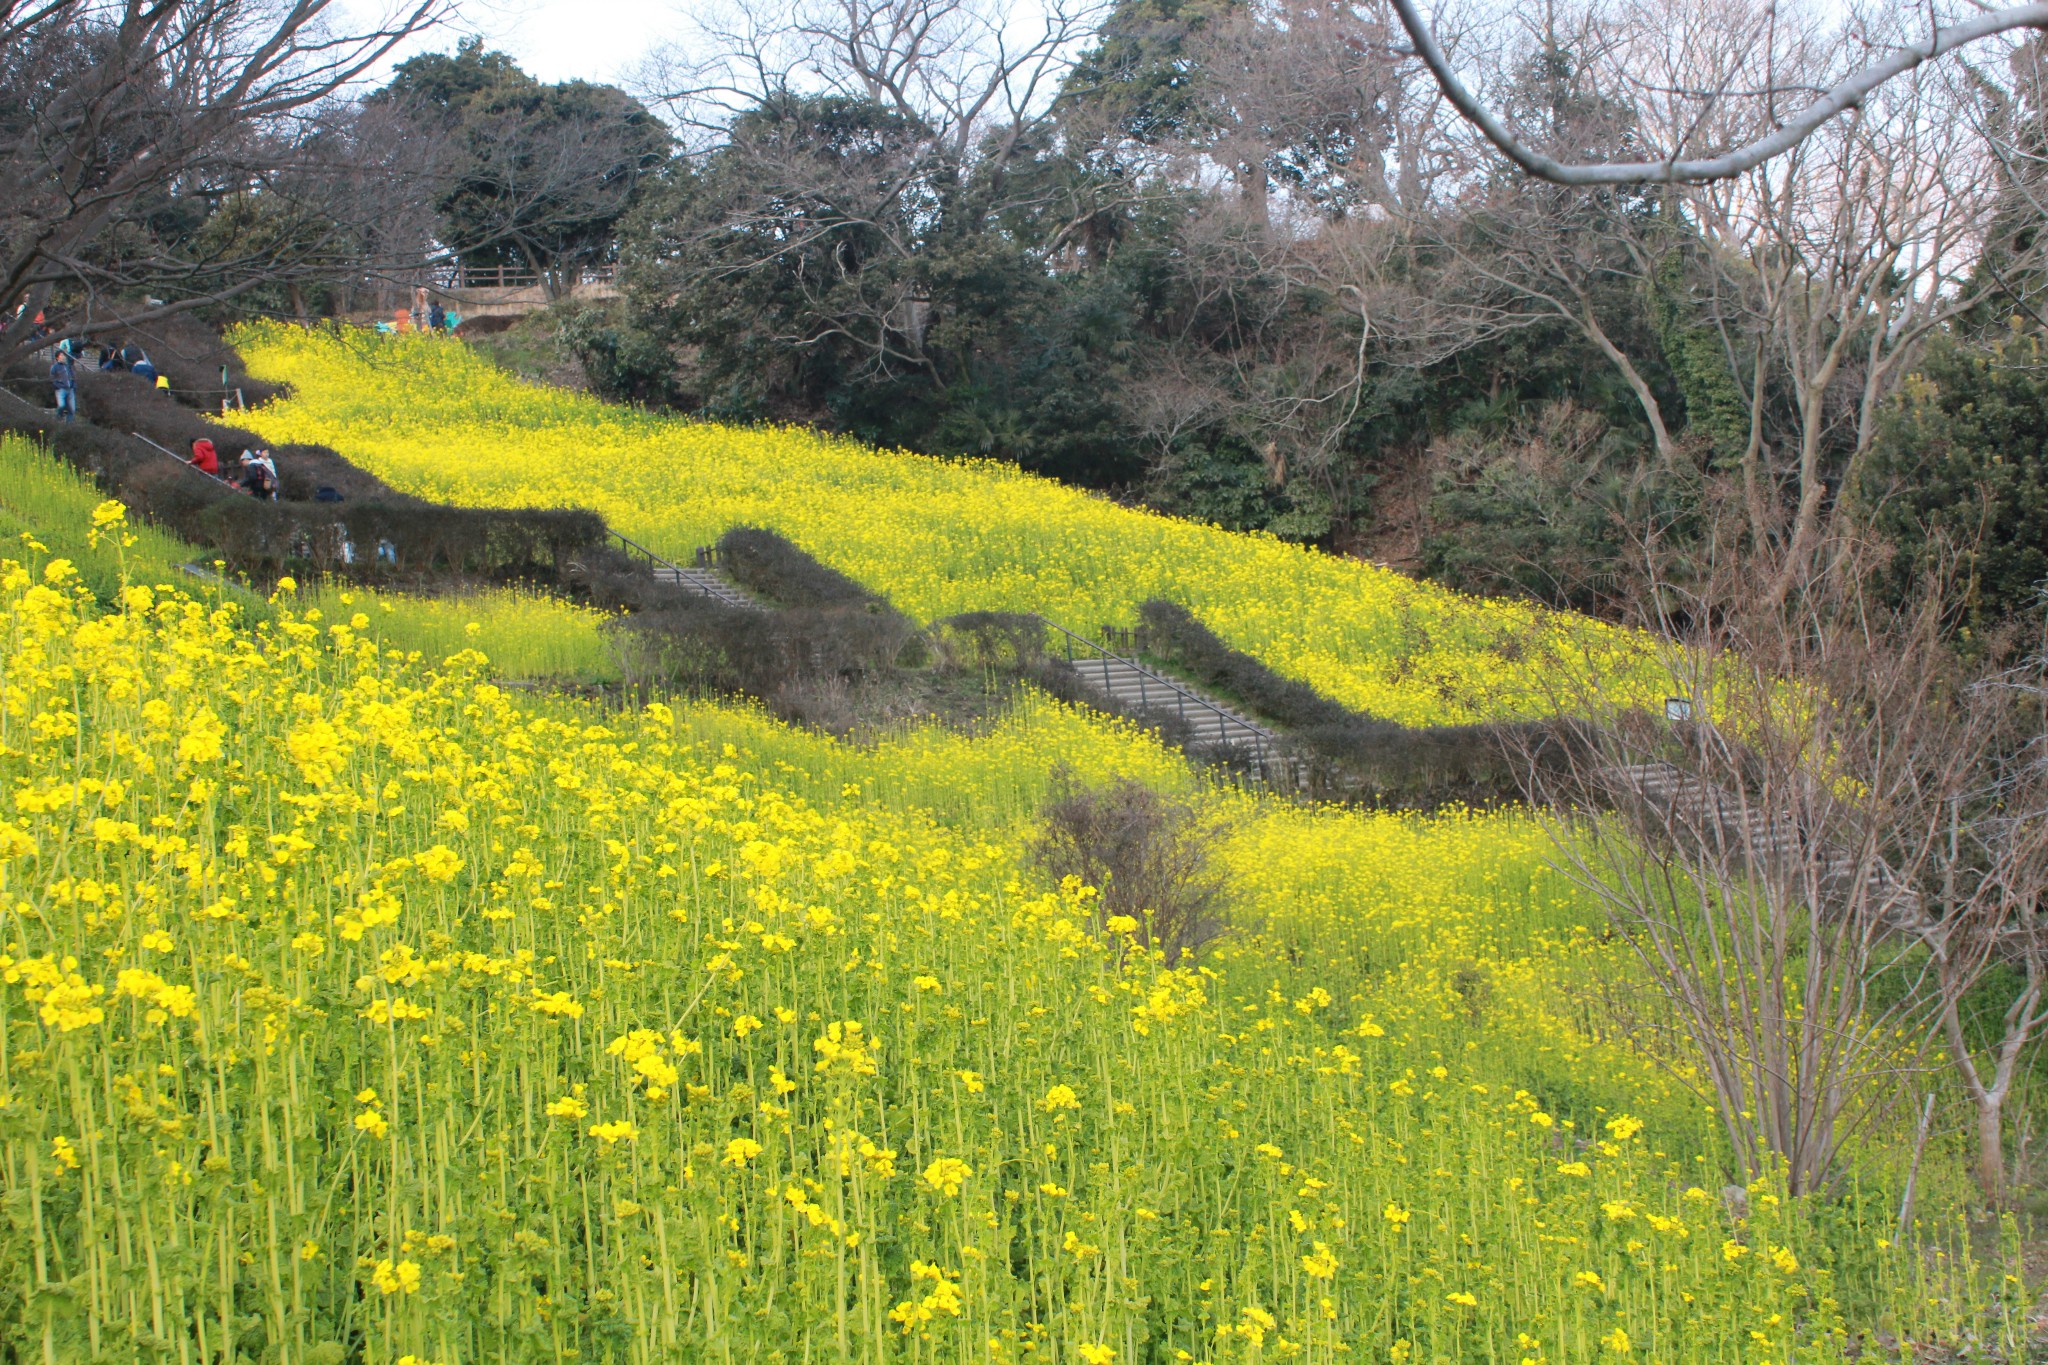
x: 1057, y: 301
x: 1964, y: 468
x: 535, y: 176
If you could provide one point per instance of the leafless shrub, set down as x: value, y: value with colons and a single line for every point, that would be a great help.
x: 825, y: 702
x: 1149, y: 856
x: 1811, y: 852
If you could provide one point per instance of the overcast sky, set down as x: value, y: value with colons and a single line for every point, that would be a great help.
x: 559, y: 40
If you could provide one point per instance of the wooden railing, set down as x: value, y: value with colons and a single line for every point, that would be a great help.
x: 512, y: 277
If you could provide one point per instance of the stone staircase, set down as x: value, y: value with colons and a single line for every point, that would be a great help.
x: 1689, y: 806
x: 707, y: 583
x: 1205, y: 726
x: 699, y: 578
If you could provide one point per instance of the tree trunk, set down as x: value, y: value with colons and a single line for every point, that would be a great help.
x: 1806, y: 519
x: 1989, y: 1100
x: 1653, y: 412
x: 1991, y: 1148
x: 1256, y: 189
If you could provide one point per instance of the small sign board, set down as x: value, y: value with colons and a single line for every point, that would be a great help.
x: 1677, y: 709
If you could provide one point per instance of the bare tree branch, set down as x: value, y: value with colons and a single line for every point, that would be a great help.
x: 109, y: 112
x: 1847, y: 94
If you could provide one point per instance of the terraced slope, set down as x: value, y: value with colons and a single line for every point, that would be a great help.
x: 936, y: 536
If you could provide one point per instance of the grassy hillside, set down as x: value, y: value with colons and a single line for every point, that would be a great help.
x: 937, y: 537
x: 526, y: 635
x: 353, y: 1009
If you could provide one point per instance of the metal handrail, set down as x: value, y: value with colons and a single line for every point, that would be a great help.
x: 225, y: 483
x: 635, y: 547
x: 222, y: 394
x: 1182, y: 694
x: 696, y: 580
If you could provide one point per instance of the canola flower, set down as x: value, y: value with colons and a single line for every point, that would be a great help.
x: 404, y: 1013
x: 526, y: 634
x: 936, y: 536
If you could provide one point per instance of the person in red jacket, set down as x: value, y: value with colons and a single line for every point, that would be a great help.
x: 204, y: 458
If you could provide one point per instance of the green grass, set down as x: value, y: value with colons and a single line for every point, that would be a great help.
x: 48, y: 501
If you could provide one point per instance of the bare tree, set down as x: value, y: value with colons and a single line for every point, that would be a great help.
x: 1313, y: 277
x: 1821, y: 272
x: 1575, y: 258
x: 842, y: 138
x: 1675, y: 161
x: 1288, y: 326
x: 958, y: 70
x: 1838, y: 260
x: 1587, y: 258
x: 108, y: 111
x: 1770, y: 849
x: 1989, y: 876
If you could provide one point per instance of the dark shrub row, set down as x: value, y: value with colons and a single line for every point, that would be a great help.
x: 709, y: 646
x: 1172, y: 632
x: 1352, y: 755
x: 822, y: 625
x: 370, y: 533
x: 771, y: 566
x: 1000, y: 640
x: 201, y: 367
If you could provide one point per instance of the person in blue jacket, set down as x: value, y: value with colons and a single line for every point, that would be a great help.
x: 64, y: 379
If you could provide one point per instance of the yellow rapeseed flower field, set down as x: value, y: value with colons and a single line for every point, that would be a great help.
x: 936, y: 536
x: 527, y: 634
x: 355, y: 1009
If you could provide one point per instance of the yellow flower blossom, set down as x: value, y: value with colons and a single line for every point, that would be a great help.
x: 947, y: 1174
x: 1058, y: 1098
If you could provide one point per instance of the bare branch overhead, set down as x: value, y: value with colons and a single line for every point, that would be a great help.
x: 1846, y: 94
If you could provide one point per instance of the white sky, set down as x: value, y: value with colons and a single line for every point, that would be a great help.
x: 559, y: 40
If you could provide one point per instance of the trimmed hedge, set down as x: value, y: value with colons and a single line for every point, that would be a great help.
x: 772, y: 566
x: 993, y: 640
x: 1352, y: 755
x: 1172, y: 632
x: 373, y: 534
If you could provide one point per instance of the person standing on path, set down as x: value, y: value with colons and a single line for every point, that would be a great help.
x: 64, y: 379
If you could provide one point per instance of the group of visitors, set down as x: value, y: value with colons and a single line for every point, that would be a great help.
x: 257, y: 476
x: 69, y: 354
x: 427, y: 314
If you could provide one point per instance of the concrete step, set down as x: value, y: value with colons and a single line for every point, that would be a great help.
x: 1212, y: 729
x: 706, y: 584
x: 1762, y: 837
